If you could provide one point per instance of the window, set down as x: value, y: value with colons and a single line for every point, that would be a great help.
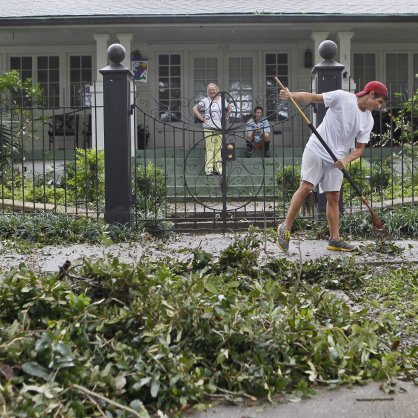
x: 275, y: 65
x: 241, y: 86
x: 80, y: 80
x: 205, y: 71
x: 47, y: 75
x: 49, y: 80
x: 169, y: 87
x: 397, y: 73
x: 364, y: 69
x: 23, y: 65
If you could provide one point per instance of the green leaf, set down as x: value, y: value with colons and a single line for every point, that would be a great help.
x: 35, y: 369
x: 155, y: 388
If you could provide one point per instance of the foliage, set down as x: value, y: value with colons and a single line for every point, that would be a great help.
x: 16, y: 95
x: 149, y: 184
x: 60, y: 228
x: 150, y: 198
x: 84, y: 177
x: 110, y: 338
x: 287, y: 180
x: 370, y: 176
x: 401, y: 222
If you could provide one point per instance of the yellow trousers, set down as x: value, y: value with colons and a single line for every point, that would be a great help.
x: 213, y: 160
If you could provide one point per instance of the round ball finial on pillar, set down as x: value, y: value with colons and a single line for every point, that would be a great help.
x: 327, y: 50
x: 116, y: 53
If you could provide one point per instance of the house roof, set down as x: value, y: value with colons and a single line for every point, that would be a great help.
x: 43, y: 11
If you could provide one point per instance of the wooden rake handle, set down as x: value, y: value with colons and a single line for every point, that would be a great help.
x: 279, y: 84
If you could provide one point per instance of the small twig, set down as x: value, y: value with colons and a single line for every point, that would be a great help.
x: 246, y: 395
x: 387, y: 398
x: 110, y: 401
x: 93, y: 401
x: 63, y: 270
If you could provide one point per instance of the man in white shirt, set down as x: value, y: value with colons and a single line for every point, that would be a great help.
x: 346, y: 126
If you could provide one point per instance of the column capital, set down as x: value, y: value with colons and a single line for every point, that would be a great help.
x: 345, y: 36
x: 101, y: 37
x: 124, y: 36
x: 318, y: 37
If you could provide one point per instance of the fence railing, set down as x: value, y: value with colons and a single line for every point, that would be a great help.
x: 47, y: 163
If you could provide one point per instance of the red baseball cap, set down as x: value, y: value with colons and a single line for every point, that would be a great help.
x: 375, y: 86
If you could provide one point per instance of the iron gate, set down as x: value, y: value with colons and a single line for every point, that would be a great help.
x: 245, y: 191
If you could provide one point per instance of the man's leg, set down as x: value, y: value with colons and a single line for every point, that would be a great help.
x: 283, y: 230
x: 249, y: 143
x: 266, y: 140
x: 296, y: 203
x: 333, y: 214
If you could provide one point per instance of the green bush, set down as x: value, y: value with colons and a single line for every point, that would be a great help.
x: 287, y: 180
x: 84, y: 177
x: 149, y: 189
x: 371, y: 178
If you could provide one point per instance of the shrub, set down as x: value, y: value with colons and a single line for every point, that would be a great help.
x: 84, y: 177
x: 149, y: 188
x: 287, y: 180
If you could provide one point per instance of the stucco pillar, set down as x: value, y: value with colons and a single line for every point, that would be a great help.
x: 318, y: 37
x: 97, y: 118
x: 125, y: 40
x: 345, y: 56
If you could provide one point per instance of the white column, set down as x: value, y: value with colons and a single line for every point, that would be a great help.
x: 318, y: 37
x: 125, y: 40
x: 345, y: 55
x: 97, y: 118
x: 101, y: 52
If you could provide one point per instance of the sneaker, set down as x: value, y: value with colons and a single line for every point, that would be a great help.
x: 209, y: 173
x: 248, y: 152
x: 267, y: 154
x: 340, y: 245
x: 283, y: 238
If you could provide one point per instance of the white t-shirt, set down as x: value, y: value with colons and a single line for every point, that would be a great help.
x: 343, y: 124
x: 259, y: 128
x: 212, y: 112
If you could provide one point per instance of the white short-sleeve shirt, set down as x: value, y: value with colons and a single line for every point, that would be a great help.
x: 343, y: 124
x: 212, y: 112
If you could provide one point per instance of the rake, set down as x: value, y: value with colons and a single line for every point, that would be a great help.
x: 377, y: 223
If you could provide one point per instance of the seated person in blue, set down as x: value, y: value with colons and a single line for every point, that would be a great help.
x: 258, y: 133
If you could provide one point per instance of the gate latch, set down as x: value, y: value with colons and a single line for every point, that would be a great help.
x: 230, y: 151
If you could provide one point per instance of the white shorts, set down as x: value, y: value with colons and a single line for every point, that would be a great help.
x: 317, y: 171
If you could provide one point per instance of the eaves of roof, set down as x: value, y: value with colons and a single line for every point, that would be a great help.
x: 204, y: 19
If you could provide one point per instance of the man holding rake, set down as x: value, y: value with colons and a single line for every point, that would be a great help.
x: 347, y: 122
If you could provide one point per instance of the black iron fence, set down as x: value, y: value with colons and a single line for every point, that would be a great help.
x: 51, y: 160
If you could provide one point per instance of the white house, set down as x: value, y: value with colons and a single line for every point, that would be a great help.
x: 184, y: 45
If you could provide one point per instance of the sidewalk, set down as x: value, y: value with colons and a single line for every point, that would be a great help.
x: 50, y: 258
x: 356, y: 402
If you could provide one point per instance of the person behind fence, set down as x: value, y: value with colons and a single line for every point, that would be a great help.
x: 258, y: 133
x: 348, y: 122
x: 209, y: 111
